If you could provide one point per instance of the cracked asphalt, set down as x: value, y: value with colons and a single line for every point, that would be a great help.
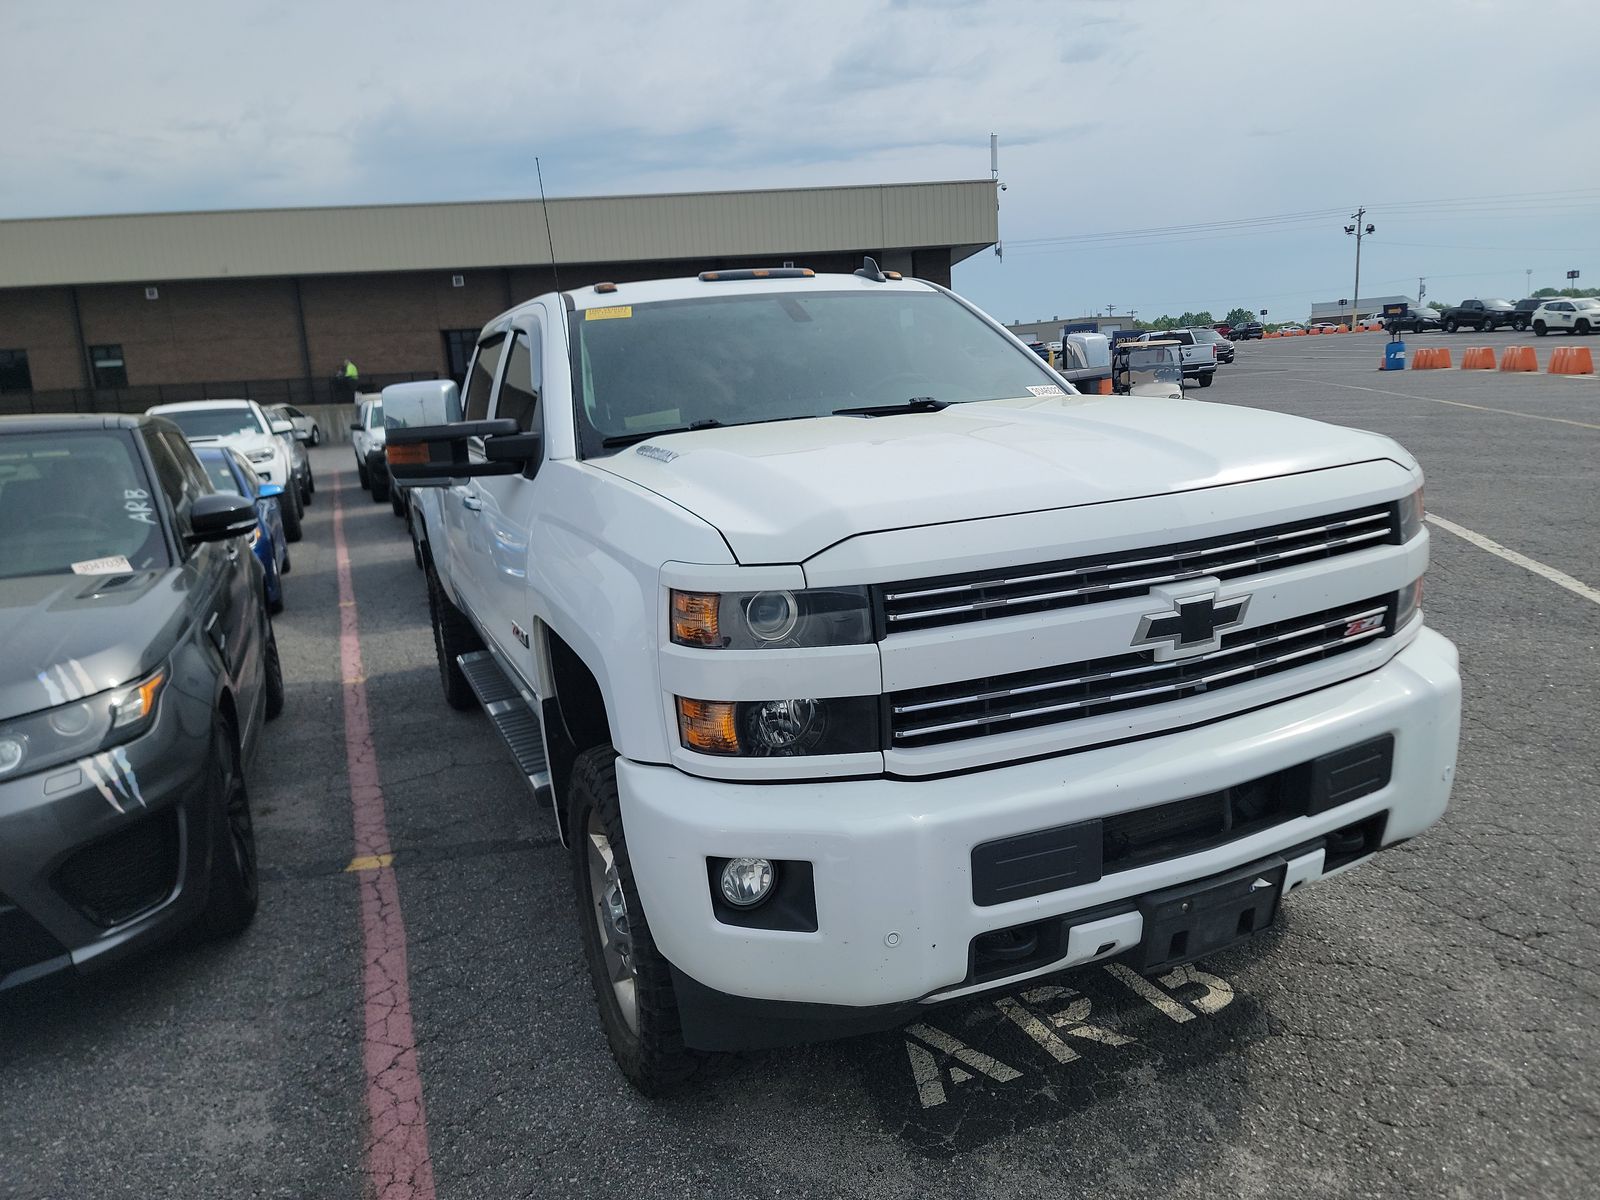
x: 1425, y: 1026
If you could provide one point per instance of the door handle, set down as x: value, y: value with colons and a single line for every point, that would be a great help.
x: 471, y: 502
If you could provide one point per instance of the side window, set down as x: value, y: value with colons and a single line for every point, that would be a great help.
x: 519, y: 390
x: 199, y: 481
x: 171, y: 479
x: 480, y: 379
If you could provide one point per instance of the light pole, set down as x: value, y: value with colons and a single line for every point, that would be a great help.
x: 1529, y: 287
x: 1359, y: 231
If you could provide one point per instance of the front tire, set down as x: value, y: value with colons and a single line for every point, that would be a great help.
x: 1582, y: 327
x: 632, y: 984
x: 289, y: 509
x: 453, y: 636
x: 234, y: 883
x: 316, y: 435
x: 273, y: 685
x: 380, y: 483
x: 1449, y: 326
x: 361, y: 476
x: 1540, y: 328
x: 397, y: 500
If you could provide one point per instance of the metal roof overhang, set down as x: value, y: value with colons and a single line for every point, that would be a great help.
x: 251, y: 243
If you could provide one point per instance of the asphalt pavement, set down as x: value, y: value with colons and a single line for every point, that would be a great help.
x: 1425, y: 1026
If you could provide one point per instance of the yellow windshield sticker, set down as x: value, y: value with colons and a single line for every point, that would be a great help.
x: 608, y: 314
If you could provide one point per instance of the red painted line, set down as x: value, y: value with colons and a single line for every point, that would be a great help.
x: 398, y: 1165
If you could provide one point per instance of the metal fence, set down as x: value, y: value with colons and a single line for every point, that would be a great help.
x: 299, y: 392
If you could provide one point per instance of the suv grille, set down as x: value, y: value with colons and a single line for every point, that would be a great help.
x: 955, y: 712
x: 1042, y: 587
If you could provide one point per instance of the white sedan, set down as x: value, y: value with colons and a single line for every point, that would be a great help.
x: 304, y: 423
x: 1569, y: 316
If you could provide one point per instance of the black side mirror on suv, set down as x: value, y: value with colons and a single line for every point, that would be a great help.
x: 220, y: 516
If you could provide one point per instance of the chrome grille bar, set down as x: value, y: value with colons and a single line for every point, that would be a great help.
x: 946, y: 713
x: 1050, y: 586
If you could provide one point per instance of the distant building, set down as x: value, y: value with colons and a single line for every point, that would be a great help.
x: 1331, y: 312
x: 1050, y: 331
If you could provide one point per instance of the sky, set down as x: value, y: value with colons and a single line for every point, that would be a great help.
x: 1157, y: 156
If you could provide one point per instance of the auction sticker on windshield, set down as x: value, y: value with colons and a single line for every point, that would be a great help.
x: 1046, y: 389
x: 613, y: 313
x: 114, y: 565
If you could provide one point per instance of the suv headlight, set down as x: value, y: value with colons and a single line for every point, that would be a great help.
x: 779, y: 728
x: 1411, y: 514
x: 775, y: 617
x: 45, y: 739
x: 260, y: 455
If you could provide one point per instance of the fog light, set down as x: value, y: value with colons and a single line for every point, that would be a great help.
x: 746, y: 882
x: 12, y: 750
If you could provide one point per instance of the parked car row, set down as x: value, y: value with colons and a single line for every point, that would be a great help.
x: 140, y: 667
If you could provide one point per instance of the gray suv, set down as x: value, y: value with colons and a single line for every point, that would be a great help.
x: 139, y: 667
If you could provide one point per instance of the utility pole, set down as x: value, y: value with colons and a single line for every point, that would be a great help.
x: 1422, y: 289
x: 1529, y: 287
x: 1359, y: 231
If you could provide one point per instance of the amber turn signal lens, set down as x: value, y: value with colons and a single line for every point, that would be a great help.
x: 415, y: 454
x: 694, y: 619
x: 708, y: 726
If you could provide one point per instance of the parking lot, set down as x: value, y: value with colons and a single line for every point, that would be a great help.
x: 1422, y: 1026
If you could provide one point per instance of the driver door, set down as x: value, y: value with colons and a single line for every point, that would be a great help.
x: 468, y: 539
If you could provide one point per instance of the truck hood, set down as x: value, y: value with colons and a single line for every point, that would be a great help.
x: 68, y: 636
x: 783, y: 491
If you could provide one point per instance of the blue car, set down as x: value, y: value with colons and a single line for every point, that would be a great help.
x: 229, y: 472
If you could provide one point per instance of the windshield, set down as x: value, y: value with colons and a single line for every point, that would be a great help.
x: 215, y: 422
x: 222, y: 477
x: 739, y: 359
x: 73, y: 498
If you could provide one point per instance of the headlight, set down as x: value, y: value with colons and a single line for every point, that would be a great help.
x: 260, y: 455
x: 775, y: 617
x: 1411, y: 513
x: 68, y: 731
x: 779, y: 728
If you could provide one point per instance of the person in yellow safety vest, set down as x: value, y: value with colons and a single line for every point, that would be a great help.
x: 350, y: 376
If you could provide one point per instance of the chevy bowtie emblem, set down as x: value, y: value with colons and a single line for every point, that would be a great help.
x: 1194, y: 620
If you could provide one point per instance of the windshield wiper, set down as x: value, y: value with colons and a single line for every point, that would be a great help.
x: 628, y: 439
x: 917, y: 404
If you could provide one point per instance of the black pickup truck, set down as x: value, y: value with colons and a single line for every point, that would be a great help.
x: 1482, y: 315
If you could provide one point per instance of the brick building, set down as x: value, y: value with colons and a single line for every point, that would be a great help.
x: 121, y: 312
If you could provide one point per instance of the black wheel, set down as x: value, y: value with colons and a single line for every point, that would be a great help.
x: 361, y: 475
x: 234, y: 886
x: 1540, y: 328
x: 1582, y: 326
x: 453, y: 636
x: 1518, y: 326
x: 316, y: 434
x: 380, y: 483
x: 416, y: 545
x: 274, y: 676
x: 310, y: 489
x: 632, y: 986
x: 1206, y: 378
x: 1449, y: 326
x: 397, y: 500
x: 289, y: 508
x: 273, y: 606
x: 287, y: 566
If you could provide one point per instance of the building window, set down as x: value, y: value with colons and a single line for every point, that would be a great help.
x: 458, y: 346
x: 109, y: 370
x: 14, y: 373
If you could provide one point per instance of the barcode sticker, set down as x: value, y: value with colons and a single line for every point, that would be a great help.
x: 115, y: 565
x: 1046, y: 389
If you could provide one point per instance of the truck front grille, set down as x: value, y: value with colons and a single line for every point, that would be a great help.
x: 955, y: 712
x: 1044, y: 587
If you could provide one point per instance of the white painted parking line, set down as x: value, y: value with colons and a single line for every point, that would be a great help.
x: 1559, y: 578
x: 1457, y: 403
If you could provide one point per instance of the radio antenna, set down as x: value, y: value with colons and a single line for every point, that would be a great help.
x: 555, y: 271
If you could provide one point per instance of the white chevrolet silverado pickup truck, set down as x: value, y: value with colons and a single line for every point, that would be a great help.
x: 865, y: 665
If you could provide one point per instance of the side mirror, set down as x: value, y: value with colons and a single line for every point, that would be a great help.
x: 355, y: 426
x: 425, y: 403
x: 281, y: 426
x: 270, y: 489
x: 436, y: 455
x: 220, y: 516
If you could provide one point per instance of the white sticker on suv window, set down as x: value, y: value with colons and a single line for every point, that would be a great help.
x: 115, y: 565
x: 136, y: 501
x: 1046, y: 389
